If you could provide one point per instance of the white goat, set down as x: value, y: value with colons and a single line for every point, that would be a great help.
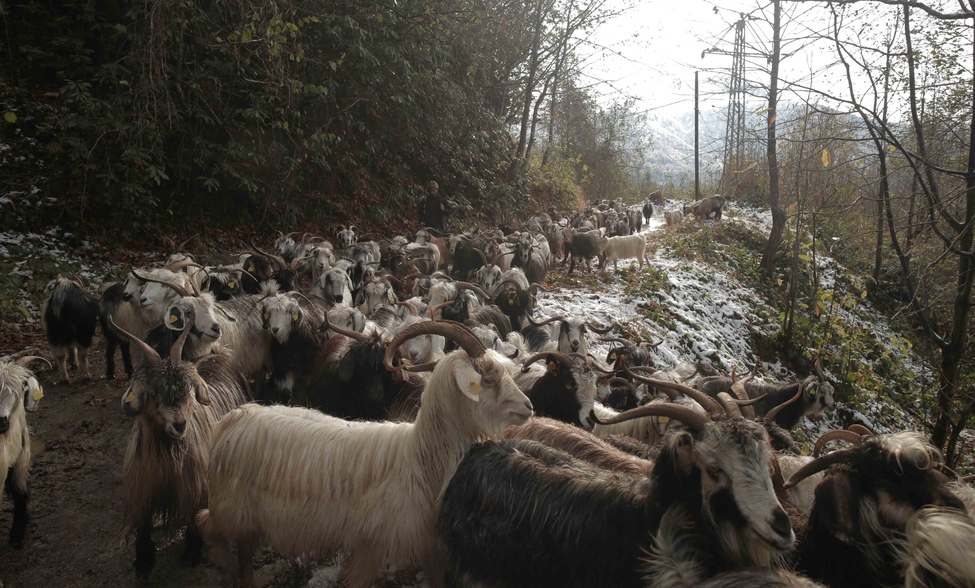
x: 616, y: 248
x: 673, y: 217
x: 19, y: 392
x: 370, y: 489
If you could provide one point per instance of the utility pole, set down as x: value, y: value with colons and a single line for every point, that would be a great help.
x: 697, y: 143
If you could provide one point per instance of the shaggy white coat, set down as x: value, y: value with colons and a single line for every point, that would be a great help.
x: 312, y: 484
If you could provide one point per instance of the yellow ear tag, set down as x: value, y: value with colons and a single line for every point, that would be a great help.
x: 550, y: 365
x: 475, y: 388
x: 612, y: 356
x: 231, y: 285
x: 294, y: 316
x: 38, y: 395
x: 173, y: 318
x: 805, y: 451
x: 129, y: 397
x: 663, y: 419
x: 250, y: 269
x: 604, y: 382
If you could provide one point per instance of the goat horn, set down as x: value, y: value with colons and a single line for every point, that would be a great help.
x: 27, y: 359
x: 450, y: 330
x: 860, y: 430
x: 277, y: 260
x: 738, y: 388
x: 565, y: 359
x: 297, y: 260
x: 433, y: 309
x: 818, y: 370
x: 473, y: 288
x: 176, y: 353
x: 968, y: 479
x: 422, y: 367
x: 838, y: 434
x: 593, y: 363
x: 671, y: 393
x: 657, y: 344
x: 537, y: 286
x: 775, y: 411
x: 692, y: 419
x: 177, y: 266
x: 599, y: 330
x: 513, y: 283
x: 728, y: 404
x: 697, y: 369
x: 183, y: 244
x: 616, y: 340
x: 326, y: 326
x: 710, y: 404
x: 546, y: 321
x: 819, y: 464
x: 292, y: 233
x: 151, y: 356
x: 176, y: 287
x: 410, y: 306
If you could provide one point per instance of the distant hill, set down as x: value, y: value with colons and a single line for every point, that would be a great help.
x: 672, y: 158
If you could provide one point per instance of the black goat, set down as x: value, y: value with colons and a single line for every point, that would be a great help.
x: 581, y: 245
x: 862, y: 508
x: 111, y: 298
x: 68, y: 317
x: 565, y: 392
x: 817, y: 396
x: 350, y: 380
x: 519, y: 514
x: 647, y: 209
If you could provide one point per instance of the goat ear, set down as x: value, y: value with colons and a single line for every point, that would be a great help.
x: 132, y: 403
x: 296, y: 316
x: 202, y: 392
x: 175, y: 318
x: 468, y: 381
x: 264, y: 319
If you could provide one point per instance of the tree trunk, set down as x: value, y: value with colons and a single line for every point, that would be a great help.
x: 530, y: 83
x: 779, y: 217
x: 878, y: 254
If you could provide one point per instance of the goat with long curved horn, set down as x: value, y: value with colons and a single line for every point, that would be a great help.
x: 179, y: 289
x: 150, y: 354
x: 563, y: 358
x: 326, y: 326
x: 837, y: 435
x: 450, y: 330
x: 710, y: 404
x: 26, y: 360
x: 692, y: 419
x: 819, y: 464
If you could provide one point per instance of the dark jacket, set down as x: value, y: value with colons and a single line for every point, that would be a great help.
x: 431, y: 212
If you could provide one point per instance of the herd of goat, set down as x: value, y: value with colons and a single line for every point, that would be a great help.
x: 399, y: 401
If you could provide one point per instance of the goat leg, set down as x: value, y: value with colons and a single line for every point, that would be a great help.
x: 16, y: 488
x: 145, y: 550
x: 192, y: 549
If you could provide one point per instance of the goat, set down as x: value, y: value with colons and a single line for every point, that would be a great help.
x: 285, y: 245
x: 349, y: 380
x: 938, y: 550
x: 528, y: 258
x: 817, y: 397
x: 176, y: 404
x: 19, y: 394
x: 616, y: 248
x: 565, y: 391
x: 295, y: 342
x: 370, y: 489
x: 703, y: 209
x: 647, y: 209
x: 657, y: 197
x: 581, y: 245
x: 68, y: 317
x: 347, y: 237
x: 521, y: 514
x: 673, y: 217
x: 863, y: 504
x: 567, y: 336
x: 335, y: 286
x: 112, y: 298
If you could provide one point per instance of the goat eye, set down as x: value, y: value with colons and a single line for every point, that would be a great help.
x: 714, y: 471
